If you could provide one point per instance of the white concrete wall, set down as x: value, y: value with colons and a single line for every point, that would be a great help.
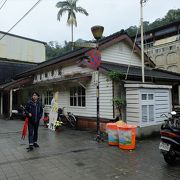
x: 21, y: 49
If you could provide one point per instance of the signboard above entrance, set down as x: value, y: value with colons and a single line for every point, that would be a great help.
x: 85, y: 44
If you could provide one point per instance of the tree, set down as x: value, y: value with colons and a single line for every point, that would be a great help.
x: 171, y: 16
x: 54, y: 49
x: 132, y: 30
x: 71, y: 8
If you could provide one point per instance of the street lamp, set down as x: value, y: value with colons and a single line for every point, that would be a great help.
x: 97, y: 32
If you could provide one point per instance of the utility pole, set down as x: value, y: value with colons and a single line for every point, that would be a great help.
x: 142, y: 40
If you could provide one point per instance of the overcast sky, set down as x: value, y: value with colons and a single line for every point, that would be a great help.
x: 114, y: 15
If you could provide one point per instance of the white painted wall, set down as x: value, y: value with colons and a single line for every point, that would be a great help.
x: 105, y: 97
x: 21, y: 49
x: 120, y: 53
x: 132, y: 107
x: 161, y: 102
x: 67, y: 70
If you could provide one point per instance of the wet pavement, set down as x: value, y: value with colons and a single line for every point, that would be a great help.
x: 74, y: 155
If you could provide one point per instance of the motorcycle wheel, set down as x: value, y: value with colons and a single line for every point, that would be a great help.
x: 170, y: 157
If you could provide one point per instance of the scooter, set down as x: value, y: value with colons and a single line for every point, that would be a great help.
x: 18, y: 113
x: 170, y: 138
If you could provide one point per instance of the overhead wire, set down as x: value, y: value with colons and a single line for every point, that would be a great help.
x: 21, y: 18
x: 3, y: 4
x: 1, y: 1
x: 127, y: 72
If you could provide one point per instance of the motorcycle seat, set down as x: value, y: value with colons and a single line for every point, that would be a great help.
x: 176, y: 130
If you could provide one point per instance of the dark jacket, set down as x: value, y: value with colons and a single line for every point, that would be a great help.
x: 35, y: 109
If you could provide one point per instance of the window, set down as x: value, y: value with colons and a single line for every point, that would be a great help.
x: 157, y: 50
x: 144, y: 96
x: 78, y: 96
x: 52, y: 73
x: 147, y: 106
x: 48, y: 96
x: 46, y: 75
x: 35, y: 77
x: 60, y: 72
x: 150, y: 96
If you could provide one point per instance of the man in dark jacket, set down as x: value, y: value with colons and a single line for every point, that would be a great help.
x: 34, y: 112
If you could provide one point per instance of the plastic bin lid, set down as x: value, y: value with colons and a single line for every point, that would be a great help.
x: 111, y: 125
x: 127, y: 126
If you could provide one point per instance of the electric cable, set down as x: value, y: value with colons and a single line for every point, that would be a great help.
x: 132, y: 53
x: 3, y: 4
x: 127, y: 72
x: 1, y: 1
x: 21, y: 18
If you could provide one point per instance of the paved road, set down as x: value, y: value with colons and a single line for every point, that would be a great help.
x: 74, y: 155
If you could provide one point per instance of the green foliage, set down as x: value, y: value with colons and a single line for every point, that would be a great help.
x: 119, y: 103
x: 54, y: 49
x: 70, y: 6
x: 171, y: 16
x: 115, y: 76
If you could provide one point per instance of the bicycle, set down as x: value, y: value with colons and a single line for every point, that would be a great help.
x: 68, y: 119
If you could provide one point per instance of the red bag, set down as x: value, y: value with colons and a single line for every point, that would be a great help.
x: 24, y: 130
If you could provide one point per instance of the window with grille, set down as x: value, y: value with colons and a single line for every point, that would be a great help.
x: 78, y: 96
x: 48, y: 96
x: 147, y: 107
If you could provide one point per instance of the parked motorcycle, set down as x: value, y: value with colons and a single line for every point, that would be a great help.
x: 170, y: 138
x: 18, y: 113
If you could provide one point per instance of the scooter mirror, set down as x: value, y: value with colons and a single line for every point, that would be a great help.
x: 173, y: 112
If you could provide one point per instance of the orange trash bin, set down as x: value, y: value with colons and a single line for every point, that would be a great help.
x: 112, y: 130
x: 127, y: 136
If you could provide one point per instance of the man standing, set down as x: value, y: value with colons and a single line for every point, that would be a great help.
x: 34, y: 113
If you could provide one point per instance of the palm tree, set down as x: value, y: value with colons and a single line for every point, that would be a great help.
x: 70, y: 7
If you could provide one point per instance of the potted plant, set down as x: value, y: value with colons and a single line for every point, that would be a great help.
x: 119, y: 104
x: 46, y: 120
x: 57, y: 125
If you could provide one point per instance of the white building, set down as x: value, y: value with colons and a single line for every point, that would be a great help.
x: 73, y: 77
x: 21, y: 48
x: 17, y: 54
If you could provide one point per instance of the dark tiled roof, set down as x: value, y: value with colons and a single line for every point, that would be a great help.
x: 77, y: 53
x: 135, y: 72
x: 10, y: 68
x: 171, y: 28
x: 164, y: 26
